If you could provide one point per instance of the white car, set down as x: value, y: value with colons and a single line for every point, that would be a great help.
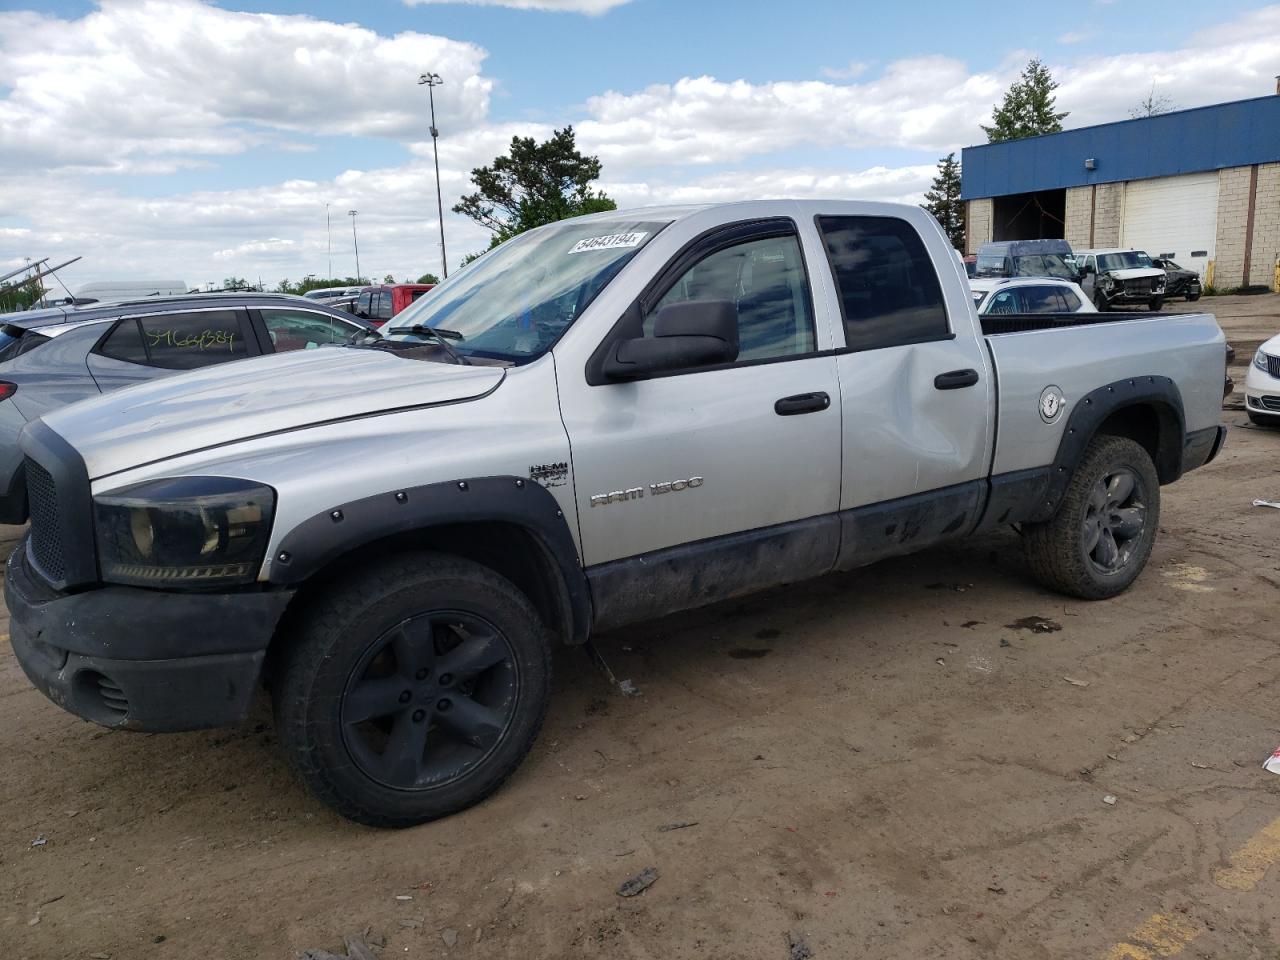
x: 1262, y: 385
x: 1028, y: 295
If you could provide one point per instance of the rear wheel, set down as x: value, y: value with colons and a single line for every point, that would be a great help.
x: 1156, y: 304
x: 1192, y: 297
x: 413, y: 690
x: 1098, y: 542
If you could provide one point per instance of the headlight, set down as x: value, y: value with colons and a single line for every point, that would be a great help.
x: 1107, y: 283
x: 1260, y: 361
x: 1160, y: 285
x: 184, y: 532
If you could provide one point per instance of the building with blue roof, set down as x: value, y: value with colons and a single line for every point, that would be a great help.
x: 1200, y: 186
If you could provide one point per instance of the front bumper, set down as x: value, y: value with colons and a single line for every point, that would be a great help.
x: 1261, y: 392
x: 141, y: 659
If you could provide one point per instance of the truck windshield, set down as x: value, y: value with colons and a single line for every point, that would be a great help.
x: 517, y: 300
x: 1043, y: 265
x: 1128, y: 260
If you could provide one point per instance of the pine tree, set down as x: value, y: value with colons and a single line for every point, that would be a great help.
x: 1028, y: 107
x: 943, y: 200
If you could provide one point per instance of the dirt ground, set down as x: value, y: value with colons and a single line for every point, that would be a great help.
x: 891, y: 763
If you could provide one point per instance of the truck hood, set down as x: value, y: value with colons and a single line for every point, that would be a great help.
x: 235, y: 401
x: 1137, y: 273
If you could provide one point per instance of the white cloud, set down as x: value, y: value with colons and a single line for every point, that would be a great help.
x: 272, y: 248
x: 152, y: 86
x: 592, y: 8
x: 1075, y: 36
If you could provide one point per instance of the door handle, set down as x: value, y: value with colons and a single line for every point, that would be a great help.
x: 801, y: 403
x: 955, y: 379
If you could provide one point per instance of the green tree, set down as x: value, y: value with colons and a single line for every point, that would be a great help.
x: 311, y: 282
x: 428, y: 278
x: 235, y: 283
x: 943, y: 200
x: 1028, y: 107
x: 533, y: 184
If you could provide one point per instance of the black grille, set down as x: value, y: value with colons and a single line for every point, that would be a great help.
x: 1271, y: 403
x: 1273, y: 365
x: 46, y: 527
x: 113, y: 698
x: 1140, y: 286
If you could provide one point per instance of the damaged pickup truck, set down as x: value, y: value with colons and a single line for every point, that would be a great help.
x: 601, y: 421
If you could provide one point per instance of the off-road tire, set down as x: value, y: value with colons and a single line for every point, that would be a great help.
x: 1056, y: 549
x: 1155, y: 304
x: 327, y: 643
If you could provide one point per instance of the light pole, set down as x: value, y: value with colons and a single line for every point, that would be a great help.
x: 356, y: 242
x: 328, y: 229
x: 432, y: 80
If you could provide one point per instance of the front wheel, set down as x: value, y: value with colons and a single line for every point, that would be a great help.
x: 1100, y: 301
x: 413, y: 690
x: 1156, y: 304
x: 1192, y: 297
x: 1098, y: 542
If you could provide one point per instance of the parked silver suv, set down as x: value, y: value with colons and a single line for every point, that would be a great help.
x: 50, y: 358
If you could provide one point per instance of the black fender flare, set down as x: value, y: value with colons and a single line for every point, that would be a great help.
x: 1158, y: 393
x: 319, y: 540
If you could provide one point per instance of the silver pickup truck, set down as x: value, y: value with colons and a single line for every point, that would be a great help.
x: 601, y: 421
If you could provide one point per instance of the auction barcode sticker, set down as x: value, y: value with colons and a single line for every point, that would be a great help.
x: 612, y: 242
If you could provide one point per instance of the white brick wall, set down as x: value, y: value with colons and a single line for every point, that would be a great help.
x: 1266, y: 226
x: 1077, y: 216
x: 1106, y: 219
x: 1233, y: 213
x: 980, y: 215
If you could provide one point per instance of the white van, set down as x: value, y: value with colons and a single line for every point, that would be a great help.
x: 131, y: 289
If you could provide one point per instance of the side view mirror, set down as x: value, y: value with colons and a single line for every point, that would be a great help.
x: 696, y: 333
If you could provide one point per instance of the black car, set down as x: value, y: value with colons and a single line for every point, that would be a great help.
x: 1179, y: 281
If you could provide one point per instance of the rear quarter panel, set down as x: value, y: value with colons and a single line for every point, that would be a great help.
x: 1189, y: 349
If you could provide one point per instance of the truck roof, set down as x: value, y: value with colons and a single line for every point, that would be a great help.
x: 1020, y: 248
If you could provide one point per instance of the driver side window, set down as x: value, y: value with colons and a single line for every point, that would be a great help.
x: 765, y: 280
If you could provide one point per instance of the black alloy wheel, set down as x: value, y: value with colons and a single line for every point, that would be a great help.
x: 431, y: 697
x: 1114, y: 520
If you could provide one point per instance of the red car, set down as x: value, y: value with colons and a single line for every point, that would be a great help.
x: 379, y: 304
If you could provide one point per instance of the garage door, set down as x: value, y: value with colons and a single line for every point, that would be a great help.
x: 1172, y: 215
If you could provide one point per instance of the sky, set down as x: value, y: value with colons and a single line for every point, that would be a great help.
x: 193, y: 141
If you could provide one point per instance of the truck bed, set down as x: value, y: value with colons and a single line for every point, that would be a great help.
x: 998, y: 323
x: 1082, y: 352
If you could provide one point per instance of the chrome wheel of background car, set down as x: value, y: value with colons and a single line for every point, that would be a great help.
x: 431, y: 698
x: 1115, y: 517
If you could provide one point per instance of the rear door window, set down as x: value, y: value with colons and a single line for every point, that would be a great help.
x: 1040, y: 300
x: 188, y: 341
x: 362, y: 304
x: 383, y: 311
x: 888, y: 287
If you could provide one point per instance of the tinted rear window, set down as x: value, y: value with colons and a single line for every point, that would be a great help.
x: 15, y: 341
x: 889, y: 290
x: 125, y: 343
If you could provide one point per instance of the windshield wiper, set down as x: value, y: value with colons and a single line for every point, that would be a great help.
x: 442, y: 337
x: 437, y: 332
